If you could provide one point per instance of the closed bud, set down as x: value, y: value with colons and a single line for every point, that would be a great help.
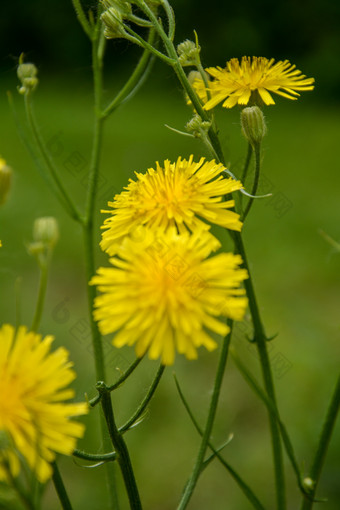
x: 112, y: 19
x: 124, y: 8
x: 188, y: 53
x: 197, y: 126
x: 253, y: 124
x: 5, y: 180
x: 46, y: 231
x: 308, y: 483
x: 27, y: 74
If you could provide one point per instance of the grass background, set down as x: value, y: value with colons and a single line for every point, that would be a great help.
x: 296, y: 274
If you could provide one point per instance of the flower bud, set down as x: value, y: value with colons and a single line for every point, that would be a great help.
x: 46, y: 231
x: 253, y: 124
x: 124, y: 8
x: 188, y: 53
x: 27, y: 74
x: 196, y: 126
x: 5, y: 180
x: 112, y: 19
x: 308, y: 483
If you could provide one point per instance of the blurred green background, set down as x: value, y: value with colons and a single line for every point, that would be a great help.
x: 296, y: 271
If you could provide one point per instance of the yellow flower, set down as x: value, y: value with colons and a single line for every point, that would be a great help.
x: 163, y: 293
x: 34, y: 419
x: 252, y: 80
x: 177, y: 194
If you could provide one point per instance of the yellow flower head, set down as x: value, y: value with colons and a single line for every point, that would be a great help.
x: 252, y: 80
x: 34, y: 419
x: 177, y: 194
x: 163, y: 293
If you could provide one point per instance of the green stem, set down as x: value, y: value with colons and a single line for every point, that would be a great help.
x: 321, y: 451
x: 95, y: 457
x: 141, y: 408
x: 120, y: 447
x: 68, y: 203
x: 60, y: 488
x: 209, y: 423
x: 257, y: 153
x: 136, y: 78
x: 82, y: 18
x: 246, y: 164
x: 241, y: 483
x: 43, y: 265
x: 260, y: 339
x: 98, y: 47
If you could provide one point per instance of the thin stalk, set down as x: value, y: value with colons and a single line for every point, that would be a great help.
x: 68, y: 204
x: 257, y: 153
x: 43, y: 265
x: 321, y: 451
x: 82, y: 18
x: 98, y: 47
x: 141, y: 408
x: 136, y: 78
x: 246, y: 164
x: 209, y: 422
x: 120, y: 447
x: 95, y: 457
x: 240, y: 482
x: 60, y: 488
x: 260, y: 340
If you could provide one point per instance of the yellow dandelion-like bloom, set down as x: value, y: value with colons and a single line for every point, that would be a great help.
x: 163, y: 294
x: 177, y: 194
x: 252, y: 80
x: 34, y: 419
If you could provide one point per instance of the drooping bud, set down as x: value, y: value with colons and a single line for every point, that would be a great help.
x: 188, y: 53
x: 5, y: 180
x: 253, y: 124
x: 27, y: 74
x: 113, y: 18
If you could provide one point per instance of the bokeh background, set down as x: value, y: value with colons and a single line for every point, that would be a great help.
x: 296, y: 271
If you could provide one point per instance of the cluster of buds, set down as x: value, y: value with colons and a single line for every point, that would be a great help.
x: 27, y: 74
x: 5, y: 180
x: 116, y: 11
x: 196, y: 126
x: 188, y: 53
x: 253, y: 125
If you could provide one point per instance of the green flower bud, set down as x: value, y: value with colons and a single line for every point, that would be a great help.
x: 188, y: 53
x: 5, y: 180
x: 46, y: 231
x: 196, y: 126
x: 124, y: 8
x: 253, y: 124
x: 27, y: 74
x: 308, y: 484
x: 112, y: 19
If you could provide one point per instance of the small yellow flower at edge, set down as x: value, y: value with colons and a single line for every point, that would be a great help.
x: 35, y: 420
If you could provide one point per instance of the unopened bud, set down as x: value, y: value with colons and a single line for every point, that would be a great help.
x: 27, y: 74
x: 124, y: 8
x: 253, y: 124
x: 188, y: 53
x: 308, y: 483
x: 46, y: 231
x: 5, y: 180
x: 113, y: 24
x: 196, y: 126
